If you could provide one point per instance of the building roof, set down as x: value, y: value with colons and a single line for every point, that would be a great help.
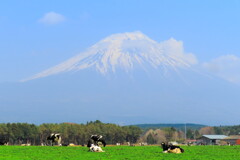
x: 215, y: 136
x: 232, y: 137
x: 191, y: 140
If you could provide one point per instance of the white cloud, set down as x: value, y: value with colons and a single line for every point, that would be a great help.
x: 175, y: 48
x: 226, y: 67
x: 52, y: 18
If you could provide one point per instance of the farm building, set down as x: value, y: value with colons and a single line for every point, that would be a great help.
x: 232, y: 140
x: 211, y: 139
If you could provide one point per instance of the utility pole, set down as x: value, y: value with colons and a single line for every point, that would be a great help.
x: 185, y: 131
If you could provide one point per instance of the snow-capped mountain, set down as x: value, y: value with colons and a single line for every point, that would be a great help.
x: 126, y: 51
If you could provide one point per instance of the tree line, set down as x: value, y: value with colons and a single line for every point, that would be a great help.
x: 156, y: 136
x: 19, y: 133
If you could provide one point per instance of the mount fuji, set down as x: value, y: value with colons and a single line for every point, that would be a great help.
x: 126, y: 51
x: 125, y: 78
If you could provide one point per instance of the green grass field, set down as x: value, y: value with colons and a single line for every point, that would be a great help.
x: 118, y: 153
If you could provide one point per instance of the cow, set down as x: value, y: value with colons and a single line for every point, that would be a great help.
x: 68, y: 144
x: 71, y: 144
x: 130, y: 144
x: 95, y: 148
x: 143, y: 144
x: 26, y: 144
x: 171, y: 148
x: 3, y: 141
x: 96, y: 139
x: 55, y: 138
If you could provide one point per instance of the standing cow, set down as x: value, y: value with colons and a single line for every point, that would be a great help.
x: 96, y: 139
x: 4, y: 140
x: 55, y: 138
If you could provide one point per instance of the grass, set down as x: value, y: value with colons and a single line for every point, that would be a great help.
x: 118, y: 153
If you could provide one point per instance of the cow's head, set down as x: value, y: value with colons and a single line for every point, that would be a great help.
x: 164, y: 146
x: 90, y: 142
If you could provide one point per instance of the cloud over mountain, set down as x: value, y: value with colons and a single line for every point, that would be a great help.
x: 51, y: 18
x: 226, y: 67
x: 126, y: 51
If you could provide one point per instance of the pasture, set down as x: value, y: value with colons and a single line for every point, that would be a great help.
x: 118, y: 153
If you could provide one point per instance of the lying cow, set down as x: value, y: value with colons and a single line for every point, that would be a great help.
x: 95, y: 148
x: 55, y: 138
x: 171, y: 148
x: 96, y: 139
x: 26, y: 144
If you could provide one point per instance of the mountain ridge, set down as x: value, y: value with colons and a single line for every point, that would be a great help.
x: 180, y: 126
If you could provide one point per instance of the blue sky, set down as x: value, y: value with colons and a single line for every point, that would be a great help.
x: 36, y: 35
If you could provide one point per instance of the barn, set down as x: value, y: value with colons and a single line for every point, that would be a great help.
x: 211, y: 139
x: 232, y: 140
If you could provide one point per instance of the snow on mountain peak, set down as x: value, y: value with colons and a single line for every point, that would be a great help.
x: 126, y: 51
x: 127, y: 36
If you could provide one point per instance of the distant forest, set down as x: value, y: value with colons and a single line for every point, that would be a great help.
x: 22, y: 133
x: 180, y: 126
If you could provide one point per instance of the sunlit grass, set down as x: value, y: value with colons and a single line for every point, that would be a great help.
x: 118, y: 153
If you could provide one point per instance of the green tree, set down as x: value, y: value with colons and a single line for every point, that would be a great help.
x: 190, y: 134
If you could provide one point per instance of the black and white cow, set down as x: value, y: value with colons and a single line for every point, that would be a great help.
x: 95, y: 148
x: 55, y: 138
x: 4, y: 140
x: 96, y: 139
x: 171, y: 148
